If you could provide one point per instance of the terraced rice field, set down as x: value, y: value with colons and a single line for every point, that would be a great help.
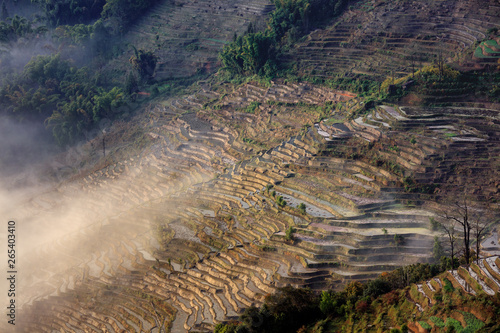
x: 188, y: 232
x: 382, y: 40
x: 186, y: 36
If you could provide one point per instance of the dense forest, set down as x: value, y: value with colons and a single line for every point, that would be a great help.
x: 61, y: 85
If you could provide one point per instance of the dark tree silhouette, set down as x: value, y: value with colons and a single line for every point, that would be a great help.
x: 144, y: 62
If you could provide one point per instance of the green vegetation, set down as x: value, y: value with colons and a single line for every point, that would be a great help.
x: 377, y: 304
x: 253, y: 53
x: 425, y: 325
x: 437, y: 321
x: 365, y: 304
x: 117, y: 13
x: 13, y: 29
x: 302, y: 208
x: 293, y: 18
x: 289, y: 233
x: 473, y: 324
x: 252, y: 107
x: 71, y: 12
x: 280, y: 201
x: 71, y: 101
x: 448, y: 287
x: 435, y: 225
x: 398, y: 240
x: 411, y: 186
x: 285, y: 311
x: 144, y: 62
x: 63, y: 95
x: 437, y: 249
x: 490, y: 48
x: 439, y: 81
x: 258, y: 52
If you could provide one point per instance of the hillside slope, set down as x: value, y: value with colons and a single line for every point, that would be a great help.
x: 384, y: 38
x: 206, y: 202
x: 186, y: 36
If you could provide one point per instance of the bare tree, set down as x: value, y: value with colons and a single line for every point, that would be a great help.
x: 460, y: 215
x: 479, y: 228
x: 450, y: 229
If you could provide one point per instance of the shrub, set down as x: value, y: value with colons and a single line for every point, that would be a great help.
x: 390, y: 298
x: 437, y: 321
x: 252, y: 107
x: 448, y: 287
x: 280, y: 201
x: 302, y: 208
x: 328, y: 303
x: 144, y: 62
x: 376, y: 287
x: 473, y: 324
x: 398, y: 240
x: 354, y: 289
x: 287, y: 310
x: 289, y: 233
x: 425, y: 325
x: 453, y: 325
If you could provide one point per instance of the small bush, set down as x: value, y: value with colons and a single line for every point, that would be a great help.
x: 453, y: 325
x: 252, y: 107
x: 289, y: 233
x: 280, y: 201
x: 437, y: 321
x: 302, y: 208
x: 425, y: 325
x: 448, y: 287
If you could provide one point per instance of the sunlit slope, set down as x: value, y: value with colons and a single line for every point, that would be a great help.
x: 191, y: 222
x: 229, y: 192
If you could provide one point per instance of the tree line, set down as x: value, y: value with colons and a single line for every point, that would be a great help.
x: 119, y: 13
x: 258, y: 52
x: 297, y: 309
x: 64, y: 96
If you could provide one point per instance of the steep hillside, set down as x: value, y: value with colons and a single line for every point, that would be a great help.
x: 210, y: 248
x: 186, y: 36
x: 204, y: 203
x: 387, y: 38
